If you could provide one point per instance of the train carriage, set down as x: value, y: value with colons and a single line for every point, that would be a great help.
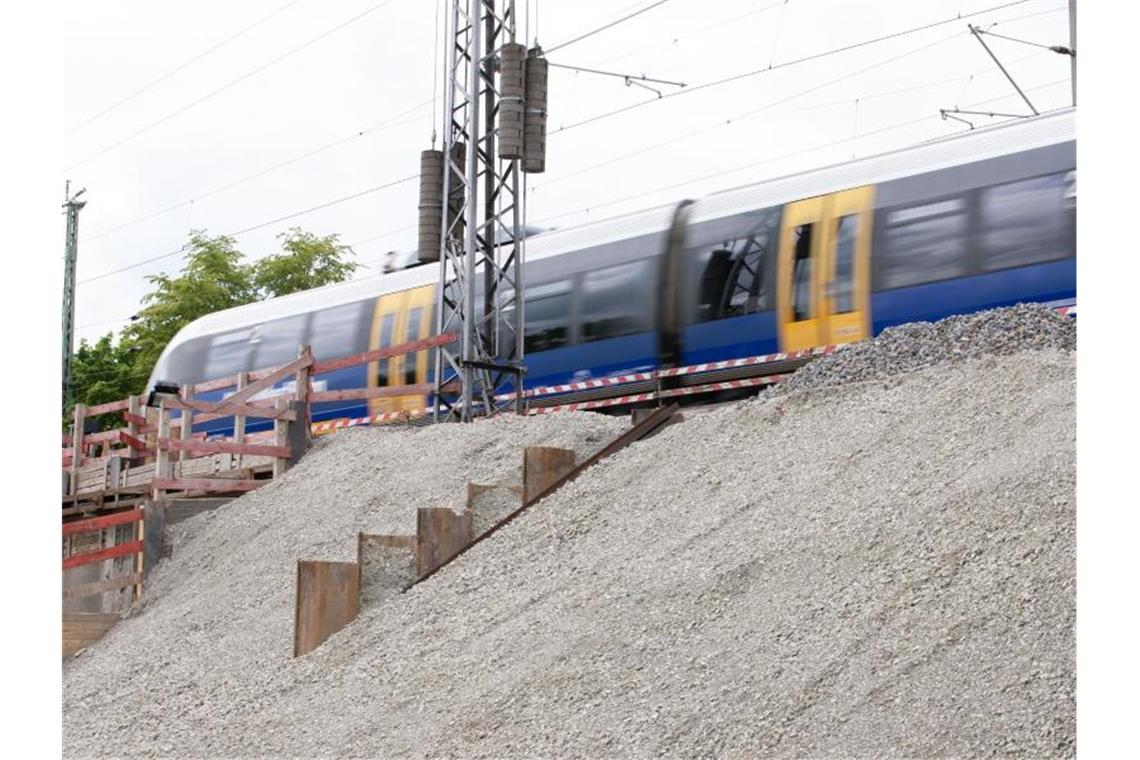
x: 828, y: 256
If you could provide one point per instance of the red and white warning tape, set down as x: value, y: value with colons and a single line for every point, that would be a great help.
x: 598, y: 382
x: 329, y: 426
x: 750, y: 361
x: 598, y: 404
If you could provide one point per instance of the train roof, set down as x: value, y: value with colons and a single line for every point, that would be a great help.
x: 1024, y: 134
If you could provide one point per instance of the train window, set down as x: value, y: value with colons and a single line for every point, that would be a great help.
x: 923, y: 244
x: 801, y: 274
x: 506, y: 324
x: 547, y: 316
x: 1025, y: 222
x: 734, y: 266
x: 846, y: 229
x: 228, y: 354
x: 412, y: 332
x: 336, y: 332
x: 279, y: 340
x: 611, y: 302
x: 387, y: 327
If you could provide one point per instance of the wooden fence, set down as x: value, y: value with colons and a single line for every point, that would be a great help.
x: 155, y: 452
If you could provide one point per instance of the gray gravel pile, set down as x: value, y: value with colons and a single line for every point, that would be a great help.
x: 218, y: 616
x: 875, y: 569
x: 917, y: 345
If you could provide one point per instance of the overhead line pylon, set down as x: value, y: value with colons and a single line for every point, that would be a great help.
x: 469, y: 195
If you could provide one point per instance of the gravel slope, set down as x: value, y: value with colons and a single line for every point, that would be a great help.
x: 881, y: 568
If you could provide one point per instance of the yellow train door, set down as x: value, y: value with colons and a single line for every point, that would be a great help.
x: 799, y: 305
x: 823, y: 270
x: 847, y: 253
x: 415, y: 325
x: 383, y: 373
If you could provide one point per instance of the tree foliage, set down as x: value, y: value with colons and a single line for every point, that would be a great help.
x: 101, y: 372
x: 215, y: 276
x: 306, y: 262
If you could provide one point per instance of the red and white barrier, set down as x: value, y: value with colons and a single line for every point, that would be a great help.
x: 604, y: 382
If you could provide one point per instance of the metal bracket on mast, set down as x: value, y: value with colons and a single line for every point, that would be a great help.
x: 480, y: 293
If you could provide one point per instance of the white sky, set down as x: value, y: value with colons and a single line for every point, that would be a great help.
x: 383, y: 65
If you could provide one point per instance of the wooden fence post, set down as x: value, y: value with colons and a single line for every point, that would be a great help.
x: 280, y: 436
x: 77, y: 445
x: 162, y: 469
x: 304, y: 413
x: 239, y: 420
x: 186, y: 421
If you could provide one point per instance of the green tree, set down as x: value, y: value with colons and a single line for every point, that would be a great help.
x: 306, y: 262
x: 213, y: 278
x: 101, y: 372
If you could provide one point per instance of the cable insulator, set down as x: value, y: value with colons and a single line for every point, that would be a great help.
x: 431, y: 204
x: 534, y: 137
x: 512, y: 90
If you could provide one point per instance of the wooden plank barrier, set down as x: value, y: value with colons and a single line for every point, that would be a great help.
x: 221, y: 485
x: 86, y: 558
x: 327, y: 599
x: 81, y: 629
x: 101, y: 587
x: 98, y: 523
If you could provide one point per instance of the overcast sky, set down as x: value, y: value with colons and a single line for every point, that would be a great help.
x: 381, y: 67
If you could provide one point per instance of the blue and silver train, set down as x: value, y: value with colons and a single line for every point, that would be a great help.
x: 832, y: 255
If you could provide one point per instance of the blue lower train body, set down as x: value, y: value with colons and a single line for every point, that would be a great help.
x: 733, y: 338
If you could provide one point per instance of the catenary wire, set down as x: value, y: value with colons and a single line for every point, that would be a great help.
x: 394, y: 121
x: 784, y: 65
x: 822, y: 146
x: 747, y: 114
x: 604, y: 27
x: 258, y: 226
x: 756, y: 111
x: 690, y: 35
x: 181, y: 67
x: 230, y: 84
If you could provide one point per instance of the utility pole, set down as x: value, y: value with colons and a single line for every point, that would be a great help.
x: 1073, y: 47
x: 70, y: 251
x: 472, y: 217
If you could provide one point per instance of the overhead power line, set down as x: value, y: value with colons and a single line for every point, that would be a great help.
x: 394, y: 121
x: 231, y: 83
x: 604, y: 27
x: 813, y: 148
x: 188, y: 63
x: 748, y: 114
x: 786, y: 64
x: 257, y: 226
x: 692, y: 34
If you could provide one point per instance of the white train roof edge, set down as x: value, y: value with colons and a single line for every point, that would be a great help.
x: 988, y: 142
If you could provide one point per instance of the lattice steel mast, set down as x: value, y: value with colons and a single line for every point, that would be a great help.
x: 471, y: 217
